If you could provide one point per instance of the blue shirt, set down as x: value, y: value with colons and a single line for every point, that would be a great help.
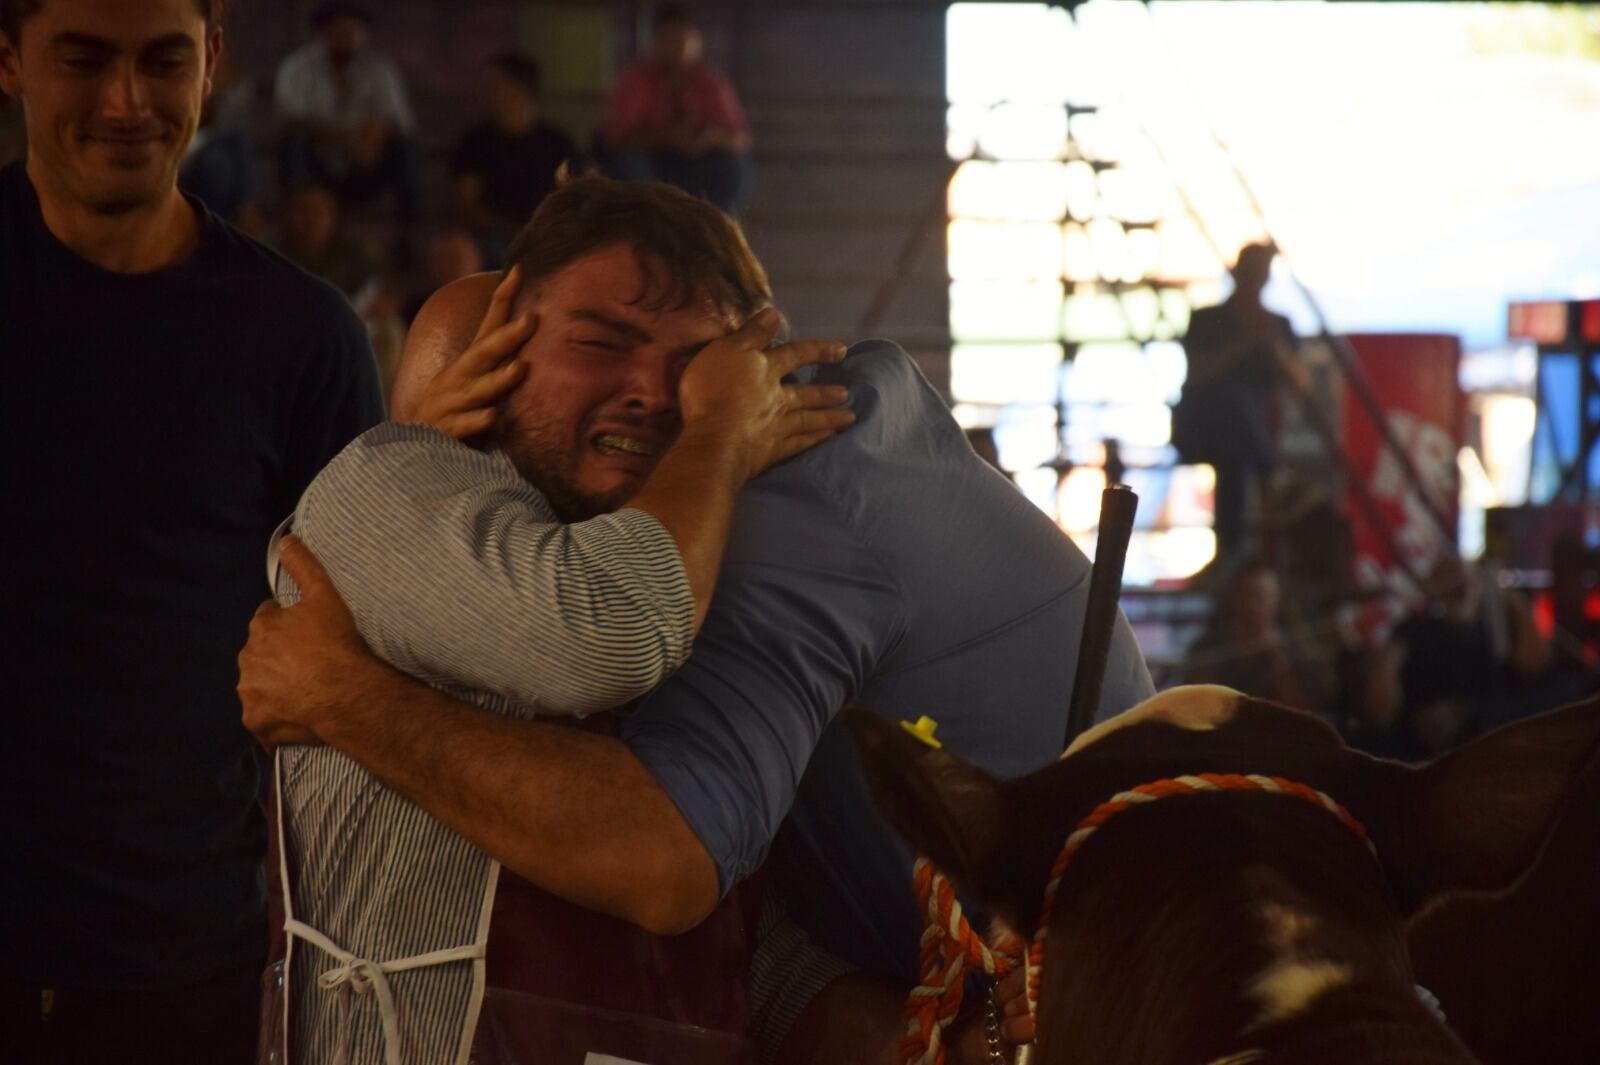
x: 893, y: 567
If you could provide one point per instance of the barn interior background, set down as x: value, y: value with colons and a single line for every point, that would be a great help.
x: 1033, y: 198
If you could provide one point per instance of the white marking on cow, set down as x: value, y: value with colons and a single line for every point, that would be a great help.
x: 1196, y: 707
x: 1286, y: 926
x: 1294, y: 980
x: 1289, y: 986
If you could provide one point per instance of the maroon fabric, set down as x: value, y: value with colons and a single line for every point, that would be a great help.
x: 564, y: 981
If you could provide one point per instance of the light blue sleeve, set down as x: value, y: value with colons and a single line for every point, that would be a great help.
x: 1127, y: 681
x: 803, y: 613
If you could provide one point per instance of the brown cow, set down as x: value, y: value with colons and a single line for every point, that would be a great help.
x: 1238, y: 926
x: 1517, y: 973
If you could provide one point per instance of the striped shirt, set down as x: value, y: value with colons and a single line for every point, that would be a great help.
x: 415, y: 529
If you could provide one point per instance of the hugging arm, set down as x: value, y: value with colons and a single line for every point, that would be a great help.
x: 455, y: 569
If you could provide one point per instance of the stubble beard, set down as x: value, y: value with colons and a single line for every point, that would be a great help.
x: 547, y: 462
x: 148, y: 185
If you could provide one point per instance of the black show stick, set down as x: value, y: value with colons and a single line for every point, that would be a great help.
x: 1117, y: 506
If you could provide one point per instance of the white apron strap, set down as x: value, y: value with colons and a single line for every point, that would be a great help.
x: 283, y: 874
x: 363, y: 976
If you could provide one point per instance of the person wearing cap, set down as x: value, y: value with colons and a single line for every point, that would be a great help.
x: 347, y: 122
x: 671, y: 118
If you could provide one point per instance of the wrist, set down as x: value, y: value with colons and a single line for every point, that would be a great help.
x: 717, y: 448
x: 340, y: 715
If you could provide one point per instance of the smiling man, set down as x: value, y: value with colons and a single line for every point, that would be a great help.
x: 171, y: 387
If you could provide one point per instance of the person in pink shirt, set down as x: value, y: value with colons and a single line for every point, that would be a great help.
x: 672, y: 118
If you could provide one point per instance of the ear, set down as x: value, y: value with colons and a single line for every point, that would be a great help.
x: 212, y: 57
x: 949, y: 811
x: 1476, y: 819
x: 10, y: 66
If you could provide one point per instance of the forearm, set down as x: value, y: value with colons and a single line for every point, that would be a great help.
x: 693, y: 493
x: 574, y: 812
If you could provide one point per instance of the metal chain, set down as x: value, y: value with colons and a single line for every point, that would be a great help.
x: 991, y: 1032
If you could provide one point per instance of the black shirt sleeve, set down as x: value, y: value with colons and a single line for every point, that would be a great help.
x: 339, y: 398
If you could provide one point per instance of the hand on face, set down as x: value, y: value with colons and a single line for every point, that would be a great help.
x: 462, y: 399
x: 733, y: 392
x: 301, y: 661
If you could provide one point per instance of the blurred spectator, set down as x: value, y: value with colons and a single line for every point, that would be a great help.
x: 1245, y: 648
x: 220, y: 167
x: 1224, y: 416
x: 1464, y: 656
x: 312, y: 239
x: 1469, y: 660
x: 506, y: 165
x: 452, y: 255
x: 13, y: 135
x: 346, y: 121
x: 672, y: 118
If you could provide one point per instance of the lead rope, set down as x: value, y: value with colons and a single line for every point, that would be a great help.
x: 950, y: 946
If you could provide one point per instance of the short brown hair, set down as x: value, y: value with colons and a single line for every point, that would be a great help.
x: 14, y: 12
x: 687, y: 249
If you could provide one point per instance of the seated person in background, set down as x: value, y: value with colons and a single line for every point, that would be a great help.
x: 311, y: 239
x: 581, y: 609
x: 506, y: 165
x: 220, y: 166
x: 1245, y: 648
x: 672, y: 118
x: 890, y: 566
x: 452, y: 255
x: 1462, y: 659
x: 346, y: 120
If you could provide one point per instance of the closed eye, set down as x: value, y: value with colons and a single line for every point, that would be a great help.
x: 83, y: 62
x: 168, y: 63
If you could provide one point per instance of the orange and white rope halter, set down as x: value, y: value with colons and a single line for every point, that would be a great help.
x: 950, y: 946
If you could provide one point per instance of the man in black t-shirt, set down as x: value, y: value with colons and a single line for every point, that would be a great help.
x: 506, y: 165
x: 167, y: 389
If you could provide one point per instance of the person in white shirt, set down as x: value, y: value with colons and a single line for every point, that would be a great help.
x: 346, y: 120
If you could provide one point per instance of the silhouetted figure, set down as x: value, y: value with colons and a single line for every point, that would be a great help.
x: 1224, y: 417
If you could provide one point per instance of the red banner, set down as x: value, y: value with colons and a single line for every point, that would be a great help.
x: 1415, y: 378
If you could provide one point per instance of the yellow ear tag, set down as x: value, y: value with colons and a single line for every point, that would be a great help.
x: 923, y: 730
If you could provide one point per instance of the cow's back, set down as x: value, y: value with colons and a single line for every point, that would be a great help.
x: 1515, y: 975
